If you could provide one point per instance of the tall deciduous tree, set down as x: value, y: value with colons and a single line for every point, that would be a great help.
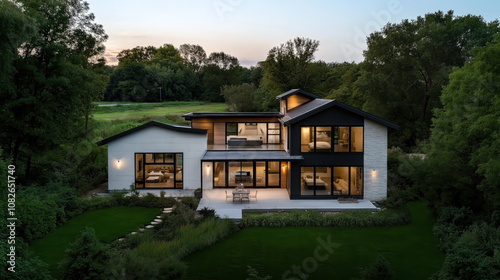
x: 240, y: 98
x: 407, y: 64
x: 137, y: 54
x: 194, y: 56
x: 463, y: 168
x: 289, y: 65
x: 220, y: 69
x: 52, y: 79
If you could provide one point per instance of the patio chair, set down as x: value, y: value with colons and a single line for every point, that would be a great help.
x: 228, y: 196
x: 254, y: 196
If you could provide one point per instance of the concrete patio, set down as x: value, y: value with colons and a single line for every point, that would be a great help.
x: 272, y: 200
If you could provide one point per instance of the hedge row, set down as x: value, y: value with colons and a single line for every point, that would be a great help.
x: 358, y: 218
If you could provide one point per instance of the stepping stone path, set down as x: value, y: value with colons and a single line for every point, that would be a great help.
x: 153, y: 223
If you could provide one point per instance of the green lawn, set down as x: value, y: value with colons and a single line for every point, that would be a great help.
x: 411, y: 250
x: 131, y: 110
x: 109, y: 224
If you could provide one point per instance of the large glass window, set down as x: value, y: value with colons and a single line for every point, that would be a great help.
x: 159, y: 170
x: 356, y: 139
x: 250, y: 174
x: 234, y: 175
x: 356, y: 180
x: 307, y: 180
x: 274, y: 133
x: 323, y: 180
x: 341, y: 180
x: 341, y: 138
x: 273, y: 173
x: 260, y: 173
x: 316, y: 180
x: 231, y: 130
x: 307, y: 139
x: 323, y: 139
x: 219, y: 174
x: 246, y: 175
x: 253, y: 133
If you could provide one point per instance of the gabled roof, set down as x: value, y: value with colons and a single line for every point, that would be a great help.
x: 315, y: 106
x: 291, y: 92
x: 190, y: 116
x: 180, y: 128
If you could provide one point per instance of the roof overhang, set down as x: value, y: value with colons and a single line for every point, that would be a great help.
x: 179, y: 128
x: 191, y: 116
x: 318, y: 105
x: 291, y: 92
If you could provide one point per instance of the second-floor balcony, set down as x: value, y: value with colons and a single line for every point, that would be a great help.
x: 256, y: 147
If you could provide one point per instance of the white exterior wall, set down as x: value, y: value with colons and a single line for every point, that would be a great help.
x: 155, y: 140
x: 207, y: 168
x: 375, y: 161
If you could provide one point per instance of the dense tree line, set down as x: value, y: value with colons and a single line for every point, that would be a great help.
x: 52, y: 73
x: 186, y: 73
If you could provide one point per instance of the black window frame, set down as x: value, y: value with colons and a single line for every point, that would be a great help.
x: 143, y: 163
x: 332, y: 178
x: 332, y: 137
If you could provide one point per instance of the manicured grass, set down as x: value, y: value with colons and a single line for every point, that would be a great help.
x: 139, y: 110
x: 411, y: 250
x: 109, y: 224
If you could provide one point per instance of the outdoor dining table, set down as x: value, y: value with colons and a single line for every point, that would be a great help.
x: 241, y: 194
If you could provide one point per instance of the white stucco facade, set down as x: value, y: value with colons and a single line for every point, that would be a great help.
x: 153, y: 139
x: 375, y: 160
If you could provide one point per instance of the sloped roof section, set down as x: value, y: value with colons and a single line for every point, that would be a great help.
x: 180, y: 128
x: 291, y: 92
x: 315, y: 106
x: 190, y: 116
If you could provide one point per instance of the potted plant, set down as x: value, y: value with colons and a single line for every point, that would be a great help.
x: 197, y: 193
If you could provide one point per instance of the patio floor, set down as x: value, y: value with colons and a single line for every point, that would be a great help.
x: 272, y: 200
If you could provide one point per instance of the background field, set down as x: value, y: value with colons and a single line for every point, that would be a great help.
x: 130, y: 110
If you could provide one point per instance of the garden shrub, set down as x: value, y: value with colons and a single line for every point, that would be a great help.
x: 475, y: 255
x: 36, y: 217
x: 397, y: 199
x: 151, y: 200
x: 27, y: 266
x: 172, y: 268
x: 86, y: 257
x: 378, y: 270
x: 451, y: 223
x: 359, y: 218
x: 190, y: 201
x: 206, y: 212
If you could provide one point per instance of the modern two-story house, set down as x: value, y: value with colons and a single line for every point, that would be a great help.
x: 314, y: 148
